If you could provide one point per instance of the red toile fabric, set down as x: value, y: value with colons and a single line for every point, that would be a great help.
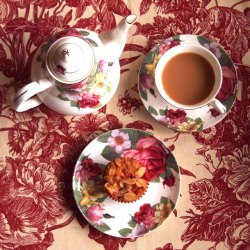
x: 39, y: 148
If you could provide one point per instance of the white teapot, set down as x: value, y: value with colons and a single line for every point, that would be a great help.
x: 75, y: 72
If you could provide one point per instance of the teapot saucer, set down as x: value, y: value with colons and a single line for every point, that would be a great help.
x: 179, y: 119
x: 85, y: 97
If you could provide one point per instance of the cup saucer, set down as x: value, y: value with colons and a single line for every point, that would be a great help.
x: 184, y: 120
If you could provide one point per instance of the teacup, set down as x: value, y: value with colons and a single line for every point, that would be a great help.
x: 189, y: 77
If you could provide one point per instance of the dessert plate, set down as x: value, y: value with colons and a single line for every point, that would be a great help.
x: 180, y: 119
x: 133, y: 219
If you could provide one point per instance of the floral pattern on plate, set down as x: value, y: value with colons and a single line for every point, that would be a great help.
x: 126, y: 219
x: 179, y: 119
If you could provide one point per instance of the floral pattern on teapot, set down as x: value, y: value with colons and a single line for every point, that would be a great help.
x: 88, y: 92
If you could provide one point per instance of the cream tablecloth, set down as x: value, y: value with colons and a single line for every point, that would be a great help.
x: 39, y: 148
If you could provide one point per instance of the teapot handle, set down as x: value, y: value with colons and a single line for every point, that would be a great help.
x: 25, y: 98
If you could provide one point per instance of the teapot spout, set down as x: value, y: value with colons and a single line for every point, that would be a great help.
x: 115, y: 39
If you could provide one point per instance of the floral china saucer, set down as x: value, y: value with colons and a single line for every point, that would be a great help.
x: 179, y: 119
x: 126, y: 220
x: 86, y: 96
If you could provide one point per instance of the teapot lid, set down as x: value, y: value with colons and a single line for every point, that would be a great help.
x: 70, y: 59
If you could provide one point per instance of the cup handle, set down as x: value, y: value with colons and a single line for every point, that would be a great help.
x: 218, y: 106
x: 25, y: 98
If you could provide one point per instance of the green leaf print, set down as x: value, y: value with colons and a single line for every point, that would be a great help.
x: 176, y: 38
x: 63, y: 98
x: 152, y: 92
x: 198, y: 121
x: 134, y: 136
x: 109, y: 89
x: 78, y: 195
x: 152, y: 110
x: 125, y: 231
x: 149, y: 58
x: 83, y: 157
x: 101, y: 200
x: 73, y: 104
x: 103, y: 228
x: 109, y: 153
x: 202, y: 40
x: 162, y: 112
x: 46, y: 46
x: 171, y: 163
x: 132, y: 223
x: 104, y: 137
x: 39, y: 58
x: 92, y: 42
x: 167, y: 173
x: 172, y: 204
x: 224, y: 58
x: 229, y: 102
x: 143, y: 94
x: 164, y: 200
x: 84, y: 32
x: 155, y: 180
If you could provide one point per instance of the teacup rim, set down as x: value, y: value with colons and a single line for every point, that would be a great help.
x: 164, y: 95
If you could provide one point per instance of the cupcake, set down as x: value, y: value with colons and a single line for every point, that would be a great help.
x: 124, y: 179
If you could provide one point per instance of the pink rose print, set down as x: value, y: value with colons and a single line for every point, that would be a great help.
x: 237, y: 174
x: 147, y: 81
x: 214, y: 48
x: 88, y: 100
x: 103, y: 66
x: 71, y: 94
x: 151, y: 154
x: 238, y: 234
x: 176, y: 117
x: 60, y: 69
x: 167, y: 44
x: 95, y: 214
x: 145, y: 215
x: 227, y: 88
x: 169, y: 181
x: 119, y: 141
x: 214, y: 112
x: 139, y: 229
x: 79, y: 85
x: 88, y: 170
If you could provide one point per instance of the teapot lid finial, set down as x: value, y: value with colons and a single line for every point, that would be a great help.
x: 70, y: 59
